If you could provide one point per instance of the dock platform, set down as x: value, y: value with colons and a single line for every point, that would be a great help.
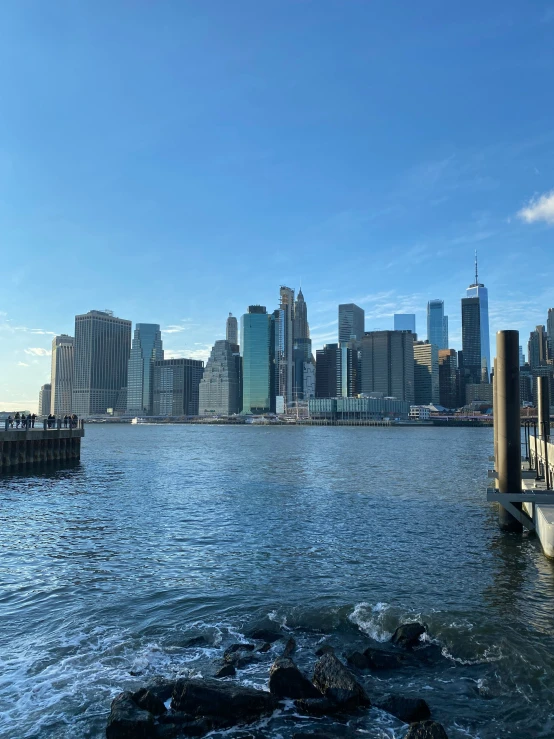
x: 24, y: 448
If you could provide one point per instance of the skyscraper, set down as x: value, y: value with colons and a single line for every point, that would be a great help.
x: 301, y: 329
x: 550, y: 332
x: 219, y: 387
x: 388, y: 364
x: 448, y: 379
x: 284, y: 347
x: 45, y: 400
x: 62, y: 374
x: 101, y: 357
x: 521, y: 357
x: 232, y: 332
x: 475, y: 332
x: 302, y: 347
x: 426, y: 373
x: 351, y: 322
x: 538, y: 348
x: 404, y: 322
x: 335, y: 371
x: 176, y: 386
x: 437, y: 324
x: 146, y: 349
x: 255, y: 344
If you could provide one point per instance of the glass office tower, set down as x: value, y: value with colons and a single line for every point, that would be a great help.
x: 404, y: 322
x: 254, y: 344
x: 437, y: 324
x: 146, y: 349
x: 476, y: 343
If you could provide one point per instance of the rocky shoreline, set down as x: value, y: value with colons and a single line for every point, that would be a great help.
x: 340, y: 690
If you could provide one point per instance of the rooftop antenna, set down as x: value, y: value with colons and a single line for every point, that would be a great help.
x: 476, y: 276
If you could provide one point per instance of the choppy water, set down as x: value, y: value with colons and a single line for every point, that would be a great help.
x: 163, y: 533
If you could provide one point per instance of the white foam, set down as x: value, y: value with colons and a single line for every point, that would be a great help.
x: 369, y: 619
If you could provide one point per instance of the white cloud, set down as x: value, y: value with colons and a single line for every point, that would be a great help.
x: 23, y: 364
x: 539, y: 209
x: 173, y: 330
x: 202, y: 354
x: 38, y: 351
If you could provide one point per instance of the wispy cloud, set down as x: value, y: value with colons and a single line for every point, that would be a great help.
x: 201, y: 354
x: 23, y: 364
x: 173, y: 330
x: 539, y: 208
x: 38, y: 351
x: 177, y: 328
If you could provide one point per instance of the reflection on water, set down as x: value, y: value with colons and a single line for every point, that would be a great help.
x: 161, y: 532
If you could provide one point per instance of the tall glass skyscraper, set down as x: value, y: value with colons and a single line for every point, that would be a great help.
x: 254, y: 344
x: 437, y: 324
x: 475, y: 331
x: 146, y: 349
x: 232, y: 330
x: 62, y: 374
x: 351, y: 322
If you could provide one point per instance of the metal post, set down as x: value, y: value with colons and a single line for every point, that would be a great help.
x: 536, y: 451
x: 495, y: 419
x: 543, y: 412
x: 508, y: 423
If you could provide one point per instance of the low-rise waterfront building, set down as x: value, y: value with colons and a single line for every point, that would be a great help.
x: 345, y: 409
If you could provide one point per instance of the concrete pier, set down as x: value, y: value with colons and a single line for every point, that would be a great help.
x: 23, y: 448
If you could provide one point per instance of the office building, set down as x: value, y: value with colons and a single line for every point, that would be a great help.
x: 437, y: 324
x: 357, y: 409
x: 405, y: 322
x: 550, y: 332
x: 301, y: 329
x: 63, y: 348
x: 255, y: 347
x: 426, y: 373
x: 521, y: 357
x: 336, y: 371
x: 101, y: 358
x: 481, y: 392
x: 284, y: 348
x: 232, y: 330
x: 475, y: 332
x: 351, y: 322
x: 176, y: 387
x: 219, y: 387
x: 448, y: 378
x: 538, y: 347
x: 526, y: 387
x: 388, y: 364
x: 302, y: 349
x: 45, y: 400
x: 146, y: 349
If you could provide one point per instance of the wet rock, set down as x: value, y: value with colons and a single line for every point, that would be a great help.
x: 266, y: 646
x: 317, y: 706
x: 406, y: 709
x: 128, y: 721
x: 239, y: 648
x: 149, y: 702
x: 429, y: 654
x: 357, y: 660
x: 338, y: 684
x: 197, y: 641
x: 316, y: 735
x: 226, y: 670
x: 324, y: 649
x: 161, y: 688
x: 177, y: 725
x: 264, y: 634
x: 223, y: 703
x: 407, y: 635
x: 290, y: 647
x: 426, y: 730
x: 286, y: 681
x: 240, y: 655
x: 384, y: 659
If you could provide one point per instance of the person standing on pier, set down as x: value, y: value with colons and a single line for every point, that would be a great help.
x: 17, y: 420
x: 33, y: 419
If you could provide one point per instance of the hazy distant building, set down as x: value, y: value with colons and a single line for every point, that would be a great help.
x: 284, y: 346
x: 63, y: 348
x: 479, y: 393
x: 219, y: 387
x: 437, y: 324
x: 388, y: 364
x: 521, y: 357
x: 302, y: 348
x: 146, y: 349
x: 176, y: 386
x: 255, y: 346
x: 426, y: 373
x: 232, y: 330
x: 538, y: 347
x: 301, y: 329
x: 448, y: 380
x: 550, y: 332
x: 101, y: 357
x: 45, y: 400
x: 475, y: 332
x: 351, y: 322
x: 405, y: 322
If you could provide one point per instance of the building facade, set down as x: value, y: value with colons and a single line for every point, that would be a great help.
x: 146, y: 349
x: 426, y: 373
x: 351, y: 322
x: 219, y: 387
x: 405, y: 322
x: 448, y: 380
x: 475, y: 332
x: 232, y: 330
x: 388, y: 364
x: 176, y: 387
x: 45, y: 400
x: 284, y: 346
x: 538, y: 347
x: 63, y: 348
x: 437, y: 324
x: 255, y: 348
x: 357, y: 409
x: 101, y: 358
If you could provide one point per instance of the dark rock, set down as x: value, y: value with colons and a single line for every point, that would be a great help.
x: 227, y: 670
x: 383, y: 659
x: 324, y: 649
x: 315, y: 735
x: 161, y: 688
x: 263, y: 634
x: 266, y: 646
x: 358, y: 660
x: 290, y: 647
x: 426, y: 730
x: 338, y: 684
x: 197, y: 641
x: 429, y: 654
x: 286, y: 681
x: 240, y: 655
x: 407, y: 635
x: 406, y: 709
x: 128, y: 721
x: 239, y: 648
x: 149, y: 702
x: 317, y: 706
x: 224, y: 703
x: 177, y: 725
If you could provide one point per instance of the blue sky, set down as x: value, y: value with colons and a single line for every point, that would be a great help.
x: 174, y: 161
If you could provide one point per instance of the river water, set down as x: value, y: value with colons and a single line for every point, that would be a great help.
x: 163, y: 533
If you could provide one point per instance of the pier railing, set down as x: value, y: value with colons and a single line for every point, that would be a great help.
x: 44, y: 424
x: 541, y: 459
